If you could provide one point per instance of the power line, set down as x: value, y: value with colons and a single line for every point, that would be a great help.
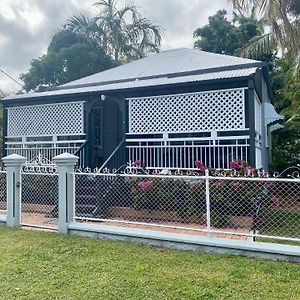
x: 11, y: 77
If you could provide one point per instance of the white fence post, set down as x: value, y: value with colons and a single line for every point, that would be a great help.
x: 207, y: 197
x: 65, y: 165
x: 13, y: 163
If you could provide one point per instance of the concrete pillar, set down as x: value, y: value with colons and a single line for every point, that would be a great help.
x: 66, y: 197
x: 13, y: 164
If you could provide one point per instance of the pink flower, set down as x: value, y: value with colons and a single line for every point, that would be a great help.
x: 249, y: 171
x: 236, y: 186
x: 146, y: 185
x: 276, y: 201
x: 199, y: 165
x: 234, y: 165
x: 137, y: 163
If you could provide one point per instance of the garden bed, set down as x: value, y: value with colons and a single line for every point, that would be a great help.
x: 137, y: 215
x: 130, y: 213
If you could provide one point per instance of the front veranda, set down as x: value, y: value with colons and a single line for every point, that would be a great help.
x: 167, y: 131
x: 214, y: 204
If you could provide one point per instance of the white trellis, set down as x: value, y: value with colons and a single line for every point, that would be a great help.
x: 192, y: 112
x: 189, y: 114
x: 45, y: 130
x: 47, y: 119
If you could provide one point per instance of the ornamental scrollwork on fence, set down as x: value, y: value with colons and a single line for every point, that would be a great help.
x: 290, y: 172
x: 240, y: 170
x: 39, y: 165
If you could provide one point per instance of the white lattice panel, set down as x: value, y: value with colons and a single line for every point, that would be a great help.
x: 48, y: 119
x: 204, y: 111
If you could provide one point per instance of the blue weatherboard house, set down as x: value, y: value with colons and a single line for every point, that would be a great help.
x: 167, y: 110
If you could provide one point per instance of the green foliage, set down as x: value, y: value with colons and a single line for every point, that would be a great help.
x: 286, y: 148
x: 287, y: 92
x: 286, y: 142
x: 69, y: 57
x: 122, y: 32
x: 222, y: 36
x: 282, y: 16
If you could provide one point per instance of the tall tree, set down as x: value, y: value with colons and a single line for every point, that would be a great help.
x: 283, y: 16
x: 123, y: 33
x: 69, y: 57
x: 222, y: 36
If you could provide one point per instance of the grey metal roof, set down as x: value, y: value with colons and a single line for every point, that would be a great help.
x: 174, y: 61
x: 143, y: 83
x: 168, y: 67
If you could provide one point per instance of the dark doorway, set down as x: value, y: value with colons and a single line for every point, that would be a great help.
x: 97, y: 135
x: 105, y: 131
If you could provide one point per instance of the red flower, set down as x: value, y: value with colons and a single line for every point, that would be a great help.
x: 137, y: 163
x: 234, y: 165
x: 199, y: 165
x: 146, y: 185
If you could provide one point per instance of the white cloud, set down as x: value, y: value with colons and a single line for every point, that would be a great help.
x: 26, y: 27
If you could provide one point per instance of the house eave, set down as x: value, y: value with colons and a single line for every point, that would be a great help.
x: 72, y: 94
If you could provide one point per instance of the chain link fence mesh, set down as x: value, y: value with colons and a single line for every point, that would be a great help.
x: 237, y: 206
x: 3, y: 204
x: 265, y: 207
x: 39, y: 200
x: 142, y: 199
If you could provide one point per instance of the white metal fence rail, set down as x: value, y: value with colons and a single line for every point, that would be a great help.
x: 222, y: 206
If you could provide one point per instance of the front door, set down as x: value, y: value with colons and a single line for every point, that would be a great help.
x: 97, y: 135
x: 105, y: 134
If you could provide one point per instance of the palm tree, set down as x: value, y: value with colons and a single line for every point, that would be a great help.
x: 282, y: 16
x: 122, y: 33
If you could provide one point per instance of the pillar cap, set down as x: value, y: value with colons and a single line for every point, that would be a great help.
x: 65, y: 159
x: 14, y: 160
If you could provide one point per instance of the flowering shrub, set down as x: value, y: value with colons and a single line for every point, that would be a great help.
x: 187, y: 197
x: 137, y: 163
x: 159, y: 193
x: 200, y: 166
x: 146, y: 185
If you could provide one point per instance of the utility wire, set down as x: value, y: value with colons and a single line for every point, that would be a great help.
x: 11, y: 78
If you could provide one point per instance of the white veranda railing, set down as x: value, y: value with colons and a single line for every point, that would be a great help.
x: 182, y: 153
x: 47, y: 146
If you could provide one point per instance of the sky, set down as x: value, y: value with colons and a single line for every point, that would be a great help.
x: 26, y: 26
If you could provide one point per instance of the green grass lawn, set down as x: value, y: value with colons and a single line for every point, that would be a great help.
x: 42, y: 265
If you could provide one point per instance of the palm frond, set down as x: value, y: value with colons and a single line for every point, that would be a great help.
x: 80, y: 24
x: 257, y: 46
